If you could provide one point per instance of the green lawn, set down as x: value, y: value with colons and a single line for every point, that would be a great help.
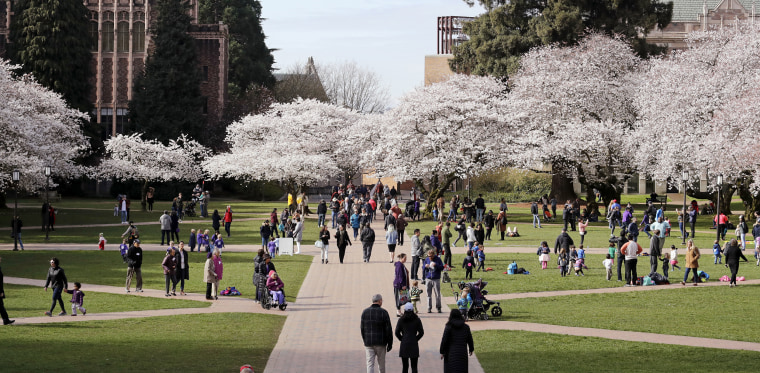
x: 30, y: 301
x: 519, y: 351
x: 106, y: 268
x: 550, y: 279
x: 667, y: 311
x: 219, y: 342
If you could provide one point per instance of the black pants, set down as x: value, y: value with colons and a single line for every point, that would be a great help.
x: 488, y: 233
x: 405, y: 364
x: 630, y: 271
x: 734, y: 267
x: 502, y: 235
x: 401, y: 237
x: 57, y: 297
x: 447, y: 254
x: 175, y: 236
x: 227, y: 228
x: 620, y: 262
x: 415, y: 267
x: 165, y: 233
x: 692, y: 228
x: 181, y: 278
x: 208, y: 290
x: 468, y: 274
x: 173, y: 278
x: 3, y: 313
x: 722, y: 231
x: 341, y: 253
x: 366, y: 250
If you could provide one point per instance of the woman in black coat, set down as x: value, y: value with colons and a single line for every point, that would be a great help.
x: 256, y: 262
x: 409, y: 331
x: 454, y: 344
x: 215, y: 219
x: 733, y: 253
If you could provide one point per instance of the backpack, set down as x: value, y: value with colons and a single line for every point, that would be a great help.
x: 445, y: 277
x: 647, y: 281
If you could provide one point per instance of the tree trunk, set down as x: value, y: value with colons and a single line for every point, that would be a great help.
x: 3, y: 200
x: 433, y: 191
x: 144, y: 197
x: 726, y: 194
x: 562, y: 186
x: 751, y: 201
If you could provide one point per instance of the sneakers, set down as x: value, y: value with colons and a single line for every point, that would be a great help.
x: 63, y: 313
x: 127, y: 291
x: 48, y: 313
x: 84, y: 312
x: 73, y: 314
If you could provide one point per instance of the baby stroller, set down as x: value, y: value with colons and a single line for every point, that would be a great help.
x: 480, y: 305
x: 268, y: 302
x: 190, y: 208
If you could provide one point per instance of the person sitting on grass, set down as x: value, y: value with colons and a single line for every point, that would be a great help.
x: 77, y: 299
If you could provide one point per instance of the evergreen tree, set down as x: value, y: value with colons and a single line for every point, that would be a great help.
x: 50, y: 39
x: 167, y: 98
x: 250, y: 58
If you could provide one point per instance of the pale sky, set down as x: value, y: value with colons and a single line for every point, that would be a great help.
x: 389, y: 37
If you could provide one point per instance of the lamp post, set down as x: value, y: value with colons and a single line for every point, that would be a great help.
x: 685, y: 178
x: 47, y: 202
x: 16, y: 175
x: 717, y: 215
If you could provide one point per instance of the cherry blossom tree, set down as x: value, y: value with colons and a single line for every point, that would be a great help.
x: 38, y: 129
x: 297, y: 144
x: 442, y: 132
x: 130, y: 157
x: 706, y: 97
x: 575, y: 104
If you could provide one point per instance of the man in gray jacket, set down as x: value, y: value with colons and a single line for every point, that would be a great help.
x: 417, y: 253
x: 166, y: 227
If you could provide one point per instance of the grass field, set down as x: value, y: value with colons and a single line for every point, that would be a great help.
x: 107, y: 268
x: 502, y: 350
x: 30, y: 301
x: 220, y: 342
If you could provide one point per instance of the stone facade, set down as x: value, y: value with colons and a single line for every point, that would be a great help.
x: 121, y: 43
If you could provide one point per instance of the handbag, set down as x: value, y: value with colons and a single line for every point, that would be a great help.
x: 403, y: 296
x: 319, y: 244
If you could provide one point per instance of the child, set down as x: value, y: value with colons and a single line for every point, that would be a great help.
x: 608, y: 266
x: 415, y: 292
x: 665, y: 259
x: 481, y: 257
x: 272, y: 246
x: 573, y: 254
x: 464, y: 301
x: 562, y: 262
x: 579, y: 267
x: 77, y: 299
x: 102, y: 242
x: 716, y: 252
x: 611, y: 250
x: 116, y: 210
x: 543, y: 254
x: 218, y: 242
x: 674, y: 257
x: 467, y: 264
x: 123, y: 250
x: 582, y: 256
x: 193, y: 240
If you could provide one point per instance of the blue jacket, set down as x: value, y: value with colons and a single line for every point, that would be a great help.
x: 481, y: 255
x: 436, y: 243
x: 355, y: 220
x: 436, y: 272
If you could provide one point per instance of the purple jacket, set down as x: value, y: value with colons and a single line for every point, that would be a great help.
x: 77, y: 296
x: 402, y: 276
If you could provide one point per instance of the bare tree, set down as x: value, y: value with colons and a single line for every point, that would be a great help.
x: 299, y: 81
x: 351, y: 86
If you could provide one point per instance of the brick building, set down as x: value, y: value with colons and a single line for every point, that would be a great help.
x: 120, y: 45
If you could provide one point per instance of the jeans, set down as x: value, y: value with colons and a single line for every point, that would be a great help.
x: 273, y: 229
x: 375, y: 351
x: 692, y: 228
x: 334, y: 218
x: 321, y: 220
x: 401, y: 237
x: 173, y: 278
x: 630, y: 271
x: 57, y: 297
x: 356, y: 231
x: 227, y: 227
x: 694, y: 274
x: 434, y: 285
x: 134, y: 272
x: 452, y: 214
x: 123, y: 216
x: 479, y: 214
x: 743, y: 237
x: 536, y: 219
x: 367, y: 250
x: 415, y: 267
x: 166, y: 233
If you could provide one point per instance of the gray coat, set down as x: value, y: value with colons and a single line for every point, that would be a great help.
x: 298, y: 232
x: 166, y: 222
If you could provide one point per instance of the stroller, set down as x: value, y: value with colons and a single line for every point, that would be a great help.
x: 480, y: 305
x: 190, y: 208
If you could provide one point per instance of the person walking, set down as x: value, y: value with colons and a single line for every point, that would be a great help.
x: 169, y: 264
x: 733, y: 253
x: 228, y: 219
x: 401, y: 224
x: 692, y: 262
x: 16, y: 225
x: 446, y: 244
x: 342, y: 240
x: 134, y: 265
x: 409, y: 331
x: 391, y: 238
x: 324, y: 237
x: 3, y: 312
x: 183, y: 267
x: 166, y: 226
x: 433, y: 267
x: 534, y: 212
x: 367, y: 239
x: 456, y: 344
x: 400, y: 281
x: 377, y: 334
x: 417, y: 253
x: 56, y: 278
x: 298, y: 234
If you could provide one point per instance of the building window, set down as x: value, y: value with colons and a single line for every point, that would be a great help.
x: 139, y: 16
x: 121, y: 120
x: 107, y: 40
x: 108, y: 16
x: 123, y: 16
x: 122, y: 37
x: 94, y: 36
x: 138, y: 42
x: 204, y: 74
x: 94, y: 16
x: 204, y: 110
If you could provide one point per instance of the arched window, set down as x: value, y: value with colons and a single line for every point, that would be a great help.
x: 93, y: 28
x: 138, y: 41
x: 107, y: 32
x: 122, y: 37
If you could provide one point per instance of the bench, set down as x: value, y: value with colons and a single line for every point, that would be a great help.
x: 660, y: 199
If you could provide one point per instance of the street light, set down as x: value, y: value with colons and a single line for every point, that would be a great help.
x: 47, y: 202
x: 16, y: 175
x: 685, y: 178
x: 717, y: 215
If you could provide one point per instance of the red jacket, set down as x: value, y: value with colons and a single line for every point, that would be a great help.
x: 228, y: 216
